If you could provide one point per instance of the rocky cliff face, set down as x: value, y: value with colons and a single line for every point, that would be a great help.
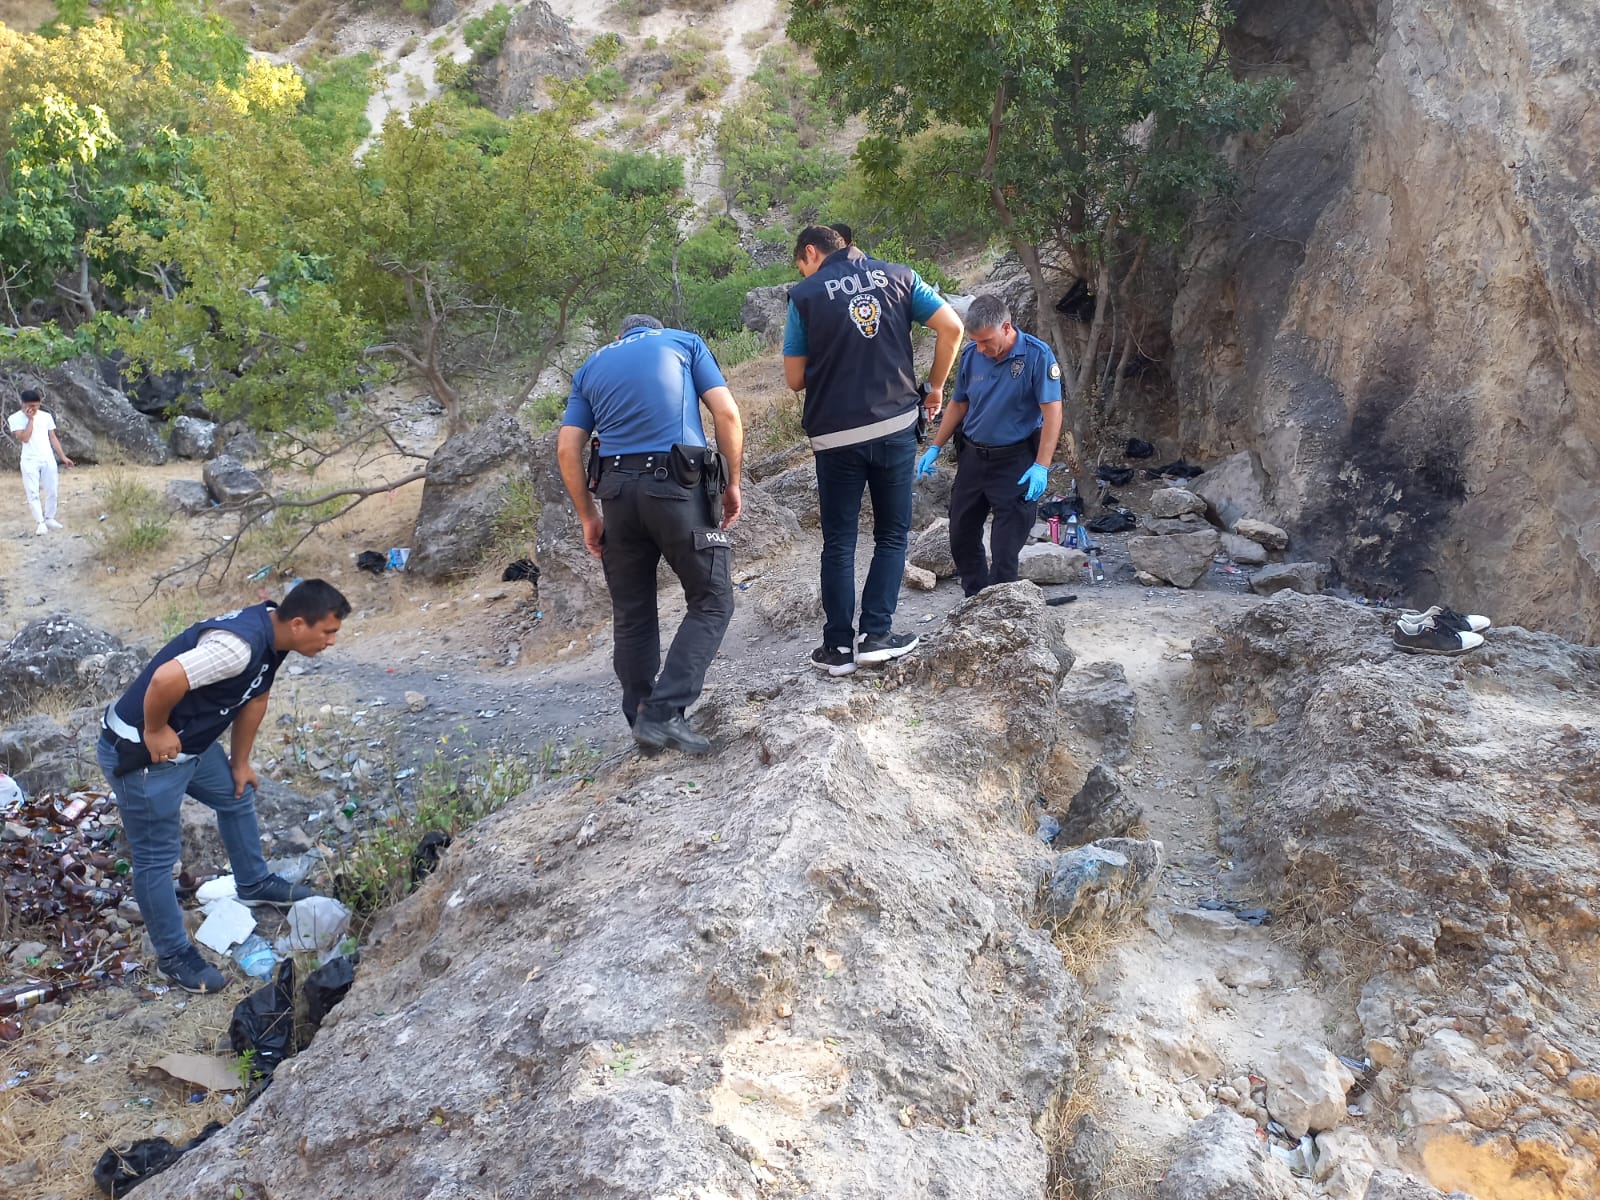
x: 1402, y: 312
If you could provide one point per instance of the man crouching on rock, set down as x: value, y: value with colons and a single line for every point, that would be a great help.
x: 640, y: 396
x: 159, y: 742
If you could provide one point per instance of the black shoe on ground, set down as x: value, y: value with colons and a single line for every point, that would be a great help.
x: 274, y: 891
x: 881, y: 647
x: 191, y: 972
x: 672, y: 734
x: 835, y: 660
x: 1447, y: 619
x: 1428, y: 638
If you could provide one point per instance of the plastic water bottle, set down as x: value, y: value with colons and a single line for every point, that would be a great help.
x: 1095, y: 569
x: 255, y: 957
x: 11, y: 797
x: 1072, y: 538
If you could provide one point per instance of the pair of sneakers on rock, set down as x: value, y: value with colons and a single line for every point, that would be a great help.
x: 1439, y: 630
x: 870, y: 648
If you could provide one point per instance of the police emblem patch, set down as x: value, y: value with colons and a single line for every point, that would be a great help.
x: 866, y: 312
x: 1055, y: 371
x: 1016, y: 369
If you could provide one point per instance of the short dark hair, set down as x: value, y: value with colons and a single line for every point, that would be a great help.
x: 822, y: 237
x: 843, y: 231
x: 637, y: 321
x: 987, y: 312
x: 313, y: 601
x: 30, y: 396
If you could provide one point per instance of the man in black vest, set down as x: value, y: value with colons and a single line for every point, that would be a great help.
x: 159, y: 741
x: 847, y: 344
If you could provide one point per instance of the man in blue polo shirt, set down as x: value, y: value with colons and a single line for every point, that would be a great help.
x: 1005, y: 417
x: 847, y: 344
x: 641, y: 396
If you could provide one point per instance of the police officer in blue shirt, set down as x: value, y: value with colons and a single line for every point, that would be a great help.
x: 1005, y: 418
x: 641, y: 397
x: 847, y: 344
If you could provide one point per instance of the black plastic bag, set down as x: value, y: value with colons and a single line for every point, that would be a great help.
x: 523, y: 568
x: 1060, y: 508
x: 1078, y: 302
x: 326, y: 986
x: 1119, y: 521
x: 371, y: 560
x: 1177, y: 469
x: 1115, y: 476
x: 425, y: 858
x: 120, y: 1171
x: 1138, y: 448
x: 263, y: 1022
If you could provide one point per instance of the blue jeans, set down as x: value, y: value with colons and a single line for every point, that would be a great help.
x: 885, y: 468
x: 149, y: 800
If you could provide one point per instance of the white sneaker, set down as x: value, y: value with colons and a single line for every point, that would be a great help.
x: 1448, y: 618
x: 53, y: 523
x: 43, y: 529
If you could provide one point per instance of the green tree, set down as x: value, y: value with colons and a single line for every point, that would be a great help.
x: 1088, y: 126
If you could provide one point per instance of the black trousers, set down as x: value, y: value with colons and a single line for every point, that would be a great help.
x: 986, y: 483
x: 646, y: 520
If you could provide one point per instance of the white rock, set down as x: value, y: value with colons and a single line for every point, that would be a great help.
x: 1048, y: 563
x: 1269, y: 536
x: 1306, y: 1088
x: 921, y: 580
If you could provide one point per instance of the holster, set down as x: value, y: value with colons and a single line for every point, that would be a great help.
x: 922, y: 412
x: 131, y: 756
x: 594, y: 464
x: 698, y: 466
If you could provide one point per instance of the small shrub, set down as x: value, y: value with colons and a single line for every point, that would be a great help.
x: 731, y: 349
x: 136, y: 523
x: 606, y: 85
x: 486, y: 35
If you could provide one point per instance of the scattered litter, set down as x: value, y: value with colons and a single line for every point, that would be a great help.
x: 1138, y: 448
x: 263, y: 1022
x: 589, y: 830
x: 11, y: 797
x: 121, y: 1170
x: 523, y: 568
x: 1115, y: 476
x: 1196, y: 727
x: 326, y: 986
x: 316, y: 923
x: 1117, y: 521
x: 425, y: 858
x: 212, y: 890
x: 1177, y: 469
x: 260, y: 573
x: 255, y: 957
x: 227, y: 922
x: 1049, y: 829
x: 1250, y: 916
x: 398, y: 557
x: 371, y: 561
x: 201, y: 1071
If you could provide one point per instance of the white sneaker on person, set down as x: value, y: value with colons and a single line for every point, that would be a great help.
x: 42, y: 529
x: 53, y: 523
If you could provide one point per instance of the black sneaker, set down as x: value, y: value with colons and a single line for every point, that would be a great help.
x: 835, y: 660
x: 881, y: 647
x: 1427, y: 637
x: 1448, y: 619
x: 191, y: 972
x: 671, y: 734
x: 275, y: 891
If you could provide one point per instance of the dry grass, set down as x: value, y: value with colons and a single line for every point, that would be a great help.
x: 70, y: 1109
x: 1133, y: 1171
x: 1084, y: 949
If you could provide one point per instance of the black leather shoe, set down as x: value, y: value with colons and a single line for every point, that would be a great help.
x: 673, y: 733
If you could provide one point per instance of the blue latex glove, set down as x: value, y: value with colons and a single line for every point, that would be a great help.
x: 930, y: 459
x: 1035, y: 478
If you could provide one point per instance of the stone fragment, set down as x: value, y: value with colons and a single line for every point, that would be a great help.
x: 1145, y: 579
x: 416, y: 702
x: 1232, y: 488
x: 1174, y: 502
x: 193, y: 437
x: 1086, y: 1156
x: 1179, y: 559
x: 1107, y: 881
x: 1389, y: 1184
x: 1267, y: 535
x: 1100, y: 810
x: 1306, y: 578
x: 1306, y: 1088
x: 1046, y: 563
x: 1224, y: 1158
x: 188, y: 496
x: 1426, y: 1107
x: 230, y: 482
x: 1097, y: 701
x: 1162, y: 526
x: 1243, y: 551
x: 930, y: 550
x: 920, y: 579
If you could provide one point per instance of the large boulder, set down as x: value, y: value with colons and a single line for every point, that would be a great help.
x: 1306, y: 1088
x: 61, y: 656
x: 1244, y: 551
x: 539, y: 46
x: 1046, y: 563
x: 1099, y: 810
x: 1306, y: 578
x: 465, y: 492
x: 1108, y: 882
x: 765, y: 527
x: 572, y: 585
x: 1181, y: 559
x: 1175, y: 502
x: 796, y: 489
x: 765, y: 310
x: 231, y: 482
x: 188, y: 496
x: 1097, y: 700
x: 1233, y: 488
x: 193, y: 437
x: 96, y: 422
x: 1265, y: 534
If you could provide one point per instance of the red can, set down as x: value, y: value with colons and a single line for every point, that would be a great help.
x: 1055, y: 530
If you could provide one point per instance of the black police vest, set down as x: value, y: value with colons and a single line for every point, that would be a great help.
x: 200, y: 717
x: 861, y: 384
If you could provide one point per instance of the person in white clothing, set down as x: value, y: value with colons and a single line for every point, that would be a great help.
x: 36, y: 430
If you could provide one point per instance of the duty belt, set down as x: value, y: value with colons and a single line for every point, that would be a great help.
x: 984, y: 451
x: 655, y: 461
